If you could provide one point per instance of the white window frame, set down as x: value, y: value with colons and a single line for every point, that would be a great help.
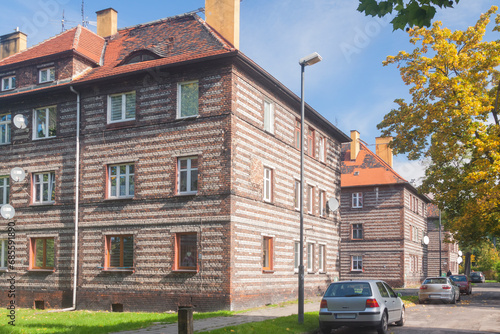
x: 49, y: 72
x: 39, y: 186
x: 321, y: 258
x: 322, y: 203
x: 269, y: 116
x: 46, y: 125
x: 310, y: 257
x: 361, y: 228
x: 188, y: 172
x: 6, y: 136
x: 296, y: 256
x: 127, y: 177
x: 3, y: 254
x: 123, y: 106
x: 322, y: 149
x: 5, y: 189
x: 357, y: 200
x: 11, y: 82
x: 268, y: 184
x: 356, y: 260
x: 179, y: 98
x: 310, y: 199
x: 296, y: 198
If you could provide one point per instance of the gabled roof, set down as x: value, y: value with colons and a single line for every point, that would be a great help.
x: 175, y: 39
x: 368, y: 169
x: 78, y: 39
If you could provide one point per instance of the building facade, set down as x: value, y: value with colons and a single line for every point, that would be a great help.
x: 384, y: 219
x: 447, y: 251
x: 164, y: 163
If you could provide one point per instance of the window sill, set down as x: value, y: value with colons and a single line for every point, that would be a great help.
x: 357, y: 271
x: 41, y: 270
x: 267, y: 271
x: 187, y: 194
x: 128, y: 198
x: 44, y: 138
x: 118, y: 270
x: 185, y: 270
x: 43, y: 204
x: 180, y: 118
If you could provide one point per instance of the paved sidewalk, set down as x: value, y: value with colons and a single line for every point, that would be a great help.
x: 254, y: 315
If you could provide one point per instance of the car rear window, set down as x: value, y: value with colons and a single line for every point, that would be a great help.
x: 436, y: 280
x: 459, y: 278
x: 348, y: 289
x: 474, y: 274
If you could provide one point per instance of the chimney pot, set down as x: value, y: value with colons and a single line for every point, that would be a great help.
x: 224, y: 17
x: 107, y: 22
x: 383, y: 150
x: 355, y: 147
x: 12, y: 43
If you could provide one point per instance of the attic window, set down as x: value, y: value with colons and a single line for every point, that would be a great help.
x: 356, y: 173
x: 138, y: 57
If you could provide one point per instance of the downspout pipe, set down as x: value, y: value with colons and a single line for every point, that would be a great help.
x: 77, y: 195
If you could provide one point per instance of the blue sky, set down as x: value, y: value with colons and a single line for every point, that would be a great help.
x: 350, y: 87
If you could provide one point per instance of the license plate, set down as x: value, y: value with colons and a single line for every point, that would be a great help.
x: 345, y: 316
x: 435, y: 296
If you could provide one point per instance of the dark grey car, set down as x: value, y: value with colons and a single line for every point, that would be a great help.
x: 363, y: 303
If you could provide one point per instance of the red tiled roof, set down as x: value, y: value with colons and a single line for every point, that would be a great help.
x: 79, y: 39
x: 367, y: 169
x: 174, y: 39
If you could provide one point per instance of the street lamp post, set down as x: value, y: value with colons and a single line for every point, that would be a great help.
x: 307, y: 60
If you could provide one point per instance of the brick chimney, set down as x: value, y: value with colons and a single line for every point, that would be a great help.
x: 383, y: 150
x: 354, y: 144
x: 107, y: 22
x: 12, y: 43
x: 224, y: 17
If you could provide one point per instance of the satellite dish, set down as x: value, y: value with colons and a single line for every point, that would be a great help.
x: 20, y: 121
x: 459, y: 253
x: 333, y: 204
x: 425, y: 240
x: 17, y: 174
x: 7, y: 211
x: 459, y: 260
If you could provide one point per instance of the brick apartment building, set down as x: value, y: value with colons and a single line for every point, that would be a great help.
x: 384, y: 218
x: 172, y: 158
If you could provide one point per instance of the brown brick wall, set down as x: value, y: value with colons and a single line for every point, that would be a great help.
x: 227, y: 213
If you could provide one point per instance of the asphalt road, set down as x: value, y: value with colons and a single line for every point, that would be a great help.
x: 474, y: 314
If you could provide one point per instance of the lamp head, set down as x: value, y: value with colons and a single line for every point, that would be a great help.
x: 311, y: 59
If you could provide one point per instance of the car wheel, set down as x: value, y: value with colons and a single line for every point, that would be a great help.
x: 458, y: 297
x: 382, y: 327
x: 403, y: 318
x: 453, y: 300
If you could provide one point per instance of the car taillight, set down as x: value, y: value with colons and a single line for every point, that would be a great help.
x: 371, y: 303
x: 423, y: 287
x: 323, y: 304
x: 446, y: 287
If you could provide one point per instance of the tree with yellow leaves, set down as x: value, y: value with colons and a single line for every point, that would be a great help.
x: 452, y: 122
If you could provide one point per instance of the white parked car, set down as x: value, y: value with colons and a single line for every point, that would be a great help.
x: 363, y: 303
x: 439, y: 288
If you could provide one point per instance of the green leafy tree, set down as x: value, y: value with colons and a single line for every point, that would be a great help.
x: 452, y: 122
x: 409, y: 13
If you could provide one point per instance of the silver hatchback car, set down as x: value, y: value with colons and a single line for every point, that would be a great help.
x: 363, y: 303
x: 439, y: 288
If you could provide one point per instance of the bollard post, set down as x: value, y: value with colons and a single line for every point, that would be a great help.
x: 185, y: 320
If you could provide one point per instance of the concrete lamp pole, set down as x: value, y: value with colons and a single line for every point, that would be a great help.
x: 307, y: 60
